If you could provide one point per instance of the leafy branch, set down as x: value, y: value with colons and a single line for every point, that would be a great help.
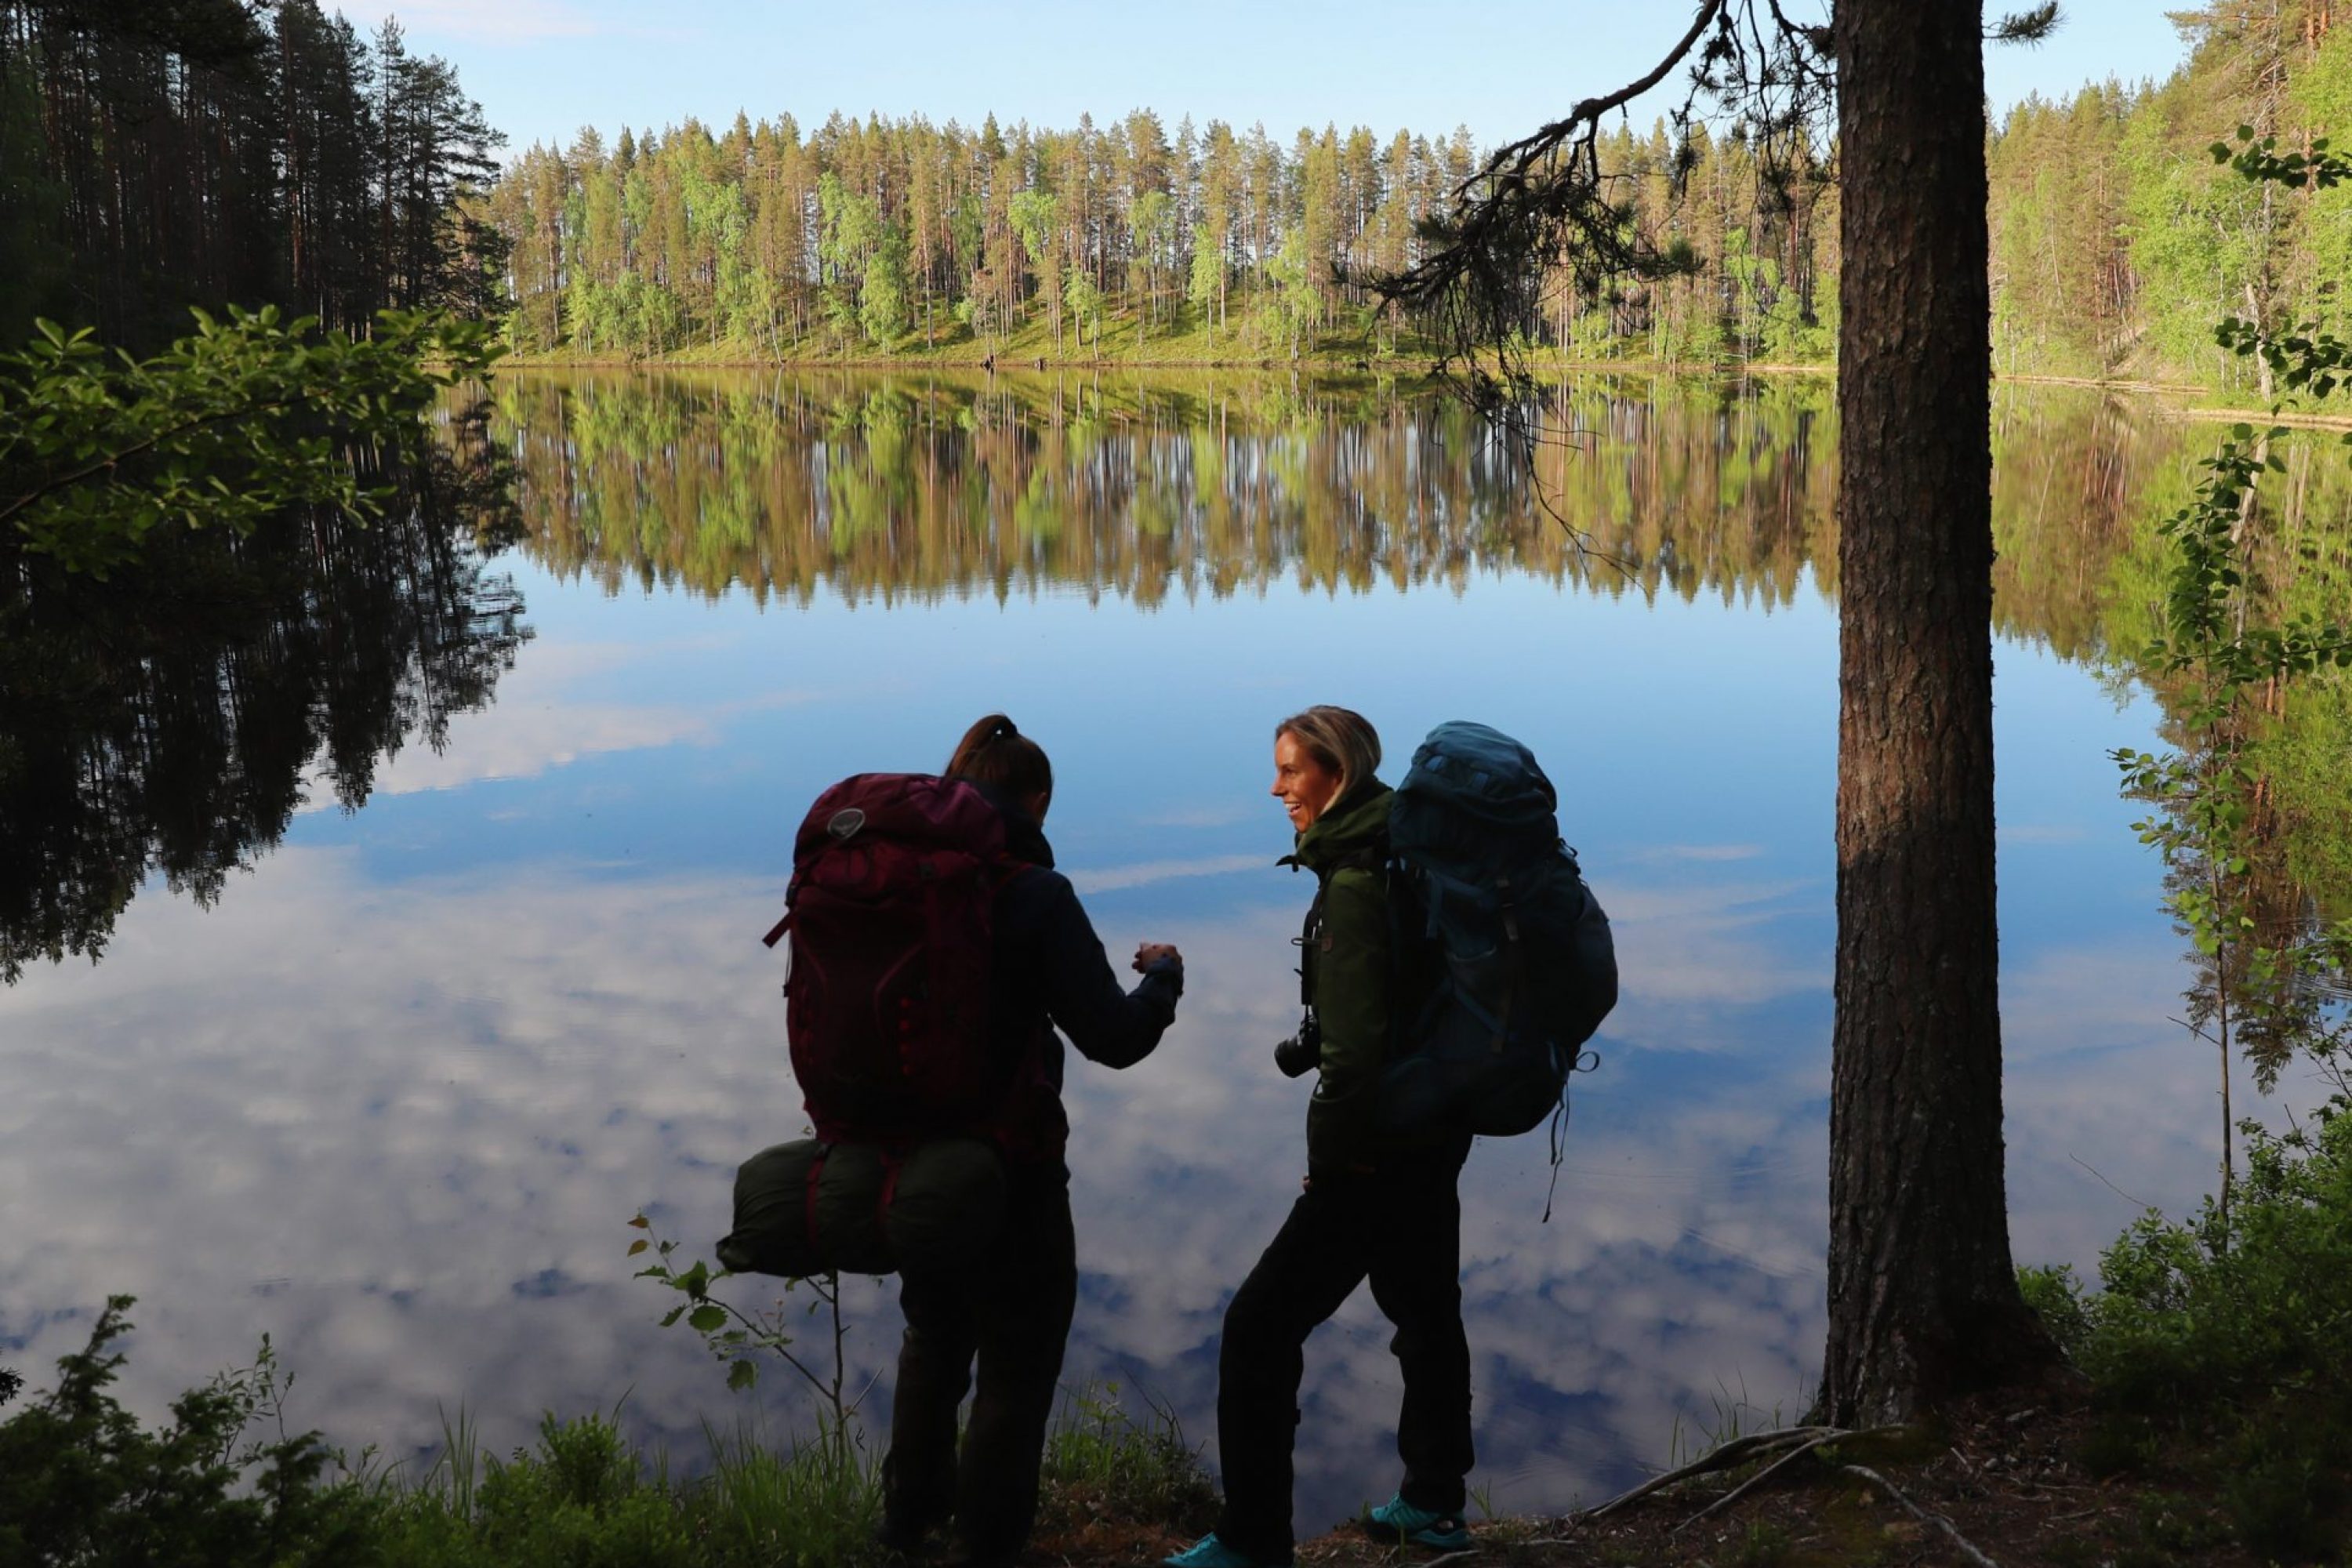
x: 736, y: 1336
x: 2207, y: 828
x: 248, y: 415
x: 2304, y: 357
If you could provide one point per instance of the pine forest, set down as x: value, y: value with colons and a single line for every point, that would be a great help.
x: 156, y: 156
x: 2117, y: 242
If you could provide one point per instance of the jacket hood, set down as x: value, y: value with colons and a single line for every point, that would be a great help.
x: 1024, y: 835
x: 1353, y: 826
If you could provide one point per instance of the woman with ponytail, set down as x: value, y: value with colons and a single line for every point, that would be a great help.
x: 1011, y: 1310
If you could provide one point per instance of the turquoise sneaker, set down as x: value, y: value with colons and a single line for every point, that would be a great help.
x: 1397, y: 1520
x: 1211, y: 1552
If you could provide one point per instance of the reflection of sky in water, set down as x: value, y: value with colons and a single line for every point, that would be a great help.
x: 394, y: 1098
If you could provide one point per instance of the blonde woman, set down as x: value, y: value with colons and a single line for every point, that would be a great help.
x: 1376, y: 1205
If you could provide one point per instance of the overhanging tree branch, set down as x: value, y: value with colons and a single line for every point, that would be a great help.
x: 1542, y: 206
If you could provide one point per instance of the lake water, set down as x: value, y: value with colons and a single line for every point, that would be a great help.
x: 394, y: 1095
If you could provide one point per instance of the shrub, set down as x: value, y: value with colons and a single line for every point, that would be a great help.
x: 2218, y: 1343
x: 82, y: 1482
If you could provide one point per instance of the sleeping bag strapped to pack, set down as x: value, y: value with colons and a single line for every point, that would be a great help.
x: 891, y: 910
x: 808, y: 1208
x: 1528, y: 969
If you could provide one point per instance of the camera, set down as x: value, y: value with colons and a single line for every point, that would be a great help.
x: 1303, y: 1052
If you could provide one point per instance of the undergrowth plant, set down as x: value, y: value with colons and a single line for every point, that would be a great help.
x: 222, y: 1481
x: 739, y: 1336
x: 2229, y: 666
x: 1103, y: 1462
x: 2217, y: 1344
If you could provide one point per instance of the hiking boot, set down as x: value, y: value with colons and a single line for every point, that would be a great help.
x: 1211, y: 1552
x: 1397, y: 1520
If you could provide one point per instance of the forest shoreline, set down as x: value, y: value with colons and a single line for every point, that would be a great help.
x: 1418, y: 367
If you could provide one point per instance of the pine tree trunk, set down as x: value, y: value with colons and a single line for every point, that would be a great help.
x: 1923, y: 1300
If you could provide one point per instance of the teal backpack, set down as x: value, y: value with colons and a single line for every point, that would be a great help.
x: 1527, y: 968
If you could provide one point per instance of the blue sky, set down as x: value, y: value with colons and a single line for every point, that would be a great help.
x: 543, y: 68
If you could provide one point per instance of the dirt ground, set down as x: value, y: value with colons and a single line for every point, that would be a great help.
x: 1989, y: 1486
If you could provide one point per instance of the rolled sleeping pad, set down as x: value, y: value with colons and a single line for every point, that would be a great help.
x: 807, y: 1208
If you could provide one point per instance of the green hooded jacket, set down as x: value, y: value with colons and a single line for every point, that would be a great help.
x: 1351, y: 978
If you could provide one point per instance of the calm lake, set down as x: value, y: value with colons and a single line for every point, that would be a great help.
x: 394, y: 1095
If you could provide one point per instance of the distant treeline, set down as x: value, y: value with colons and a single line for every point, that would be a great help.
x: 2117, y: 242
x: 875, y: 236
x: 156, y: 154
x: 866, y: 234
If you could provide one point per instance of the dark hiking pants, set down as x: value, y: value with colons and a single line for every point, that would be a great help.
x: 1402, y: 1226
x: 1012, y: 1310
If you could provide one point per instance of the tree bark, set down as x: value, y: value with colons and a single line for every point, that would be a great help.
x: 1923, y: 1298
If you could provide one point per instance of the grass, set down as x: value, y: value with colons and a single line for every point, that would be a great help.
x: 83, y: 1482
x: 1354, y: 341
x: 1105, y: 1464
x: 1123, y: 340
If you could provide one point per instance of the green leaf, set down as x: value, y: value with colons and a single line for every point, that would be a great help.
x: 708, y: 1318
x: 638, y: 1246
x: 742, y: 1375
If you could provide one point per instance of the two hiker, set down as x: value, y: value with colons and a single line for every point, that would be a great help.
x: 1445, y: 994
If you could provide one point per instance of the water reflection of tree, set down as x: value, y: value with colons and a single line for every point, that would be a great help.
x: 1218, y: 486
x: 2255, y: 812
x: 1142, y: 491
x: 172, y: 718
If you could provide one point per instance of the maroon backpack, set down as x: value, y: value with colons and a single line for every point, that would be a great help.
x: 895, y: 877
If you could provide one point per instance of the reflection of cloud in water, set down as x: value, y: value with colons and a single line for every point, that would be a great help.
x: 1701, y: 959
x: 1202, y: 816
x: 539, y: 725
x: 1111, y: 878
x: 404, y: 1140
x: 1699, y: 852
x: 536, y: 727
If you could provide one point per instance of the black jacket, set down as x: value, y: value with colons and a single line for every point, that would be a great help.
x: 1051, y: 972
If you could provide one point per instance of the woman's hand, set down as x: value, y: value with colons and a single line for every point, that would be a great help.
x: 1152, y: 953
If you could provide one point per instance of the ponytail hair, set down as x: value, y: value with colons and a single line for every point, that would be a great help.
x: 995, y: 753
x: 1340, y: 738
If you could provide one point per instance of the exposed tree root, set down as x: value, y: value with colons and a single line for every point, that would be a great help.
x: 1766, y: 1473
x: 1924, y: 1516
x: 1738, y: 1451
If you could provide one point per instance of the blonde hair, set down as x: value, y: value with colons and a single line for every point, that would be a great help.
x: 1340, y: 738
